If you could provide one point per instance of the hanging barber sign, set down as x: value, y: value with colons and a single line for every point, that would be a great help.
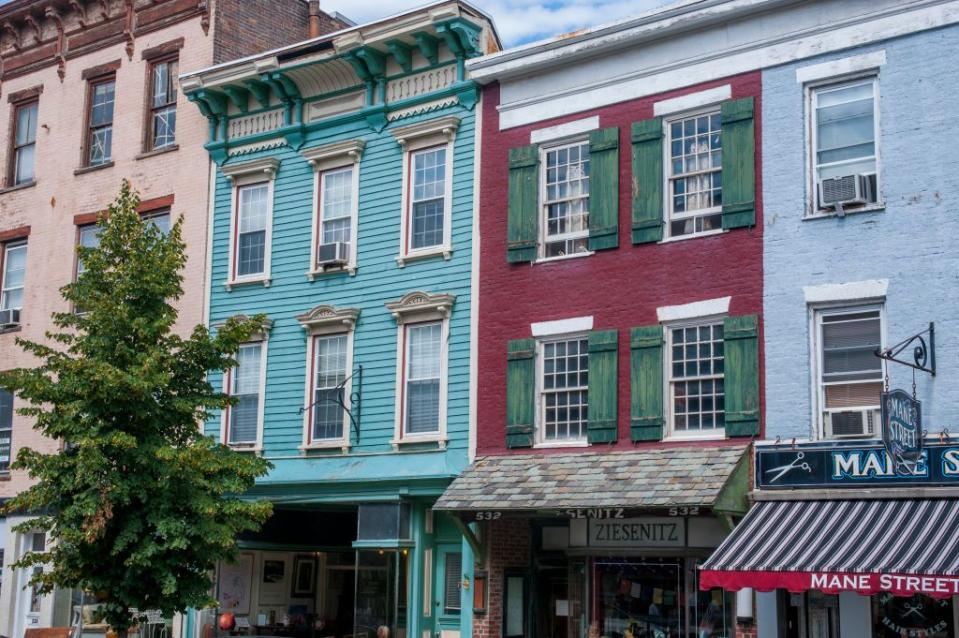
x: 902, y: 426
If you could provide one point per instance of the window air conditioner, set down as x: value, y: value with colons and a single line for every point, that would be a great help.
x: 849, y: 424
x: 837, y: 192
x: 335, y: 254
x: 9, y: 318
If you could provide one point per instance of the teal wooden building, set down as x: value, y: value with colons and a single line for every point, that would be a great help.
x: 344, y: 211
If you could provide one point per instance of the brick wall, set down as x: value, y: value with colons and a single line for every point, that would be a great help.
x: 245, y: 27
x: 508, y: 543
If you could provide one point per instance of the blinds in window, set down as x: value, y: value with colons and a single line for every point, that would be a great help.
x: 246, y: 388
x: 451, y: 597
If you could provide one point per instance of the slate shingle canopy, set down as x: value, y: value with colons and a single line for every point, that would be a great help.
x: 658, y: 477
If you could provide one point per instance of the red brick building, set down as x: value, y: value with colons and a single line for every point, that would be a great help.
x: 619, y: 336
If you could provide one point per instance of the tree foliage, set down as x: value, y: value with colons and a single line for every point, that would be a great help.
x: 139, y: 505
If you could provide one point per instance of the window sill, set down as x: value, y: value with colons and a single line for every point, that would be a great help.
x: 550, y: 260
x: 5, y: 475
x: 878, y: 207
x: 18, y: 187
x: 341, y: 445
x: 263, y: 281
x: 335, y: 270
x: 708, y: 233
x: 252, y: 448
x: 90, y: 169
x: 686, y: 438
x: 158, y: 151
x: 445, y: 251
x: 16, y: 328
x: 441, y: 441
x: 561, y: 444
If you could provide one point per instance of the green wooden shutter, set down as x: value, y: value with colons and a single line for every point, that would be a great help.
x: 739, y: 164
x: 520, y: 391
x: 602, y: 386
x: 646, y: 383
x: 648, y: 181
x: 741, y: 335
x: 604, y: 189
x: 523, y: 203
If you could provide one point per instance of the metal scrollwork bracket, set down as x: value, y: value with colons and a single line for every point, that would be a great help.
x: 923, y: 347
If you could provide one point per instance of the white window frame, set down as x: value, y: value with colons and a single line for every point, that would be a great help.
x: 262, y: 338
x: 811, y: 91
x: 816, y: 313
x: 420, y: 137
x: 9, y: 433
x: 542, y: 204
x: 670, y: 215
x: 540, y: 440
x: 671, y: 433
x: 324, y: 160
x: 323, y: 321
x: 249, y: 174
x: 4, y: 263
x: 415, y: 308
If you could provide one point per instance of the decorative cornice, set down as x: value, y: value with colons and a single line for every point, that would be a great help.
x: 266, y: 165
x: 446, y: 126
x: 414, y: 305
x: 327, y: 318
x: 320, y: 156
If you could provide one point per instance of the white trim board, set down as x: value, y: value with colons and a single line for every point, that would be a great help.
x: 694, y: 310
x: 849, y: 291
x: 692, y: 100
x: 561, y: 326
x: 844, y: 66
x: 560, y: 131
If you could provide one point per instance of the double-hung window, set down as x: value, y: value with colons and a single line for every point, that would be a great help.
x: 100, y: 121
x: 694, y: 173
x: 428, y: 198
x: 243, y: 422
x: 423, y: 375
x: 163, y: 96
x: 330, y: 354
x: 14, y: 261
x: 25, y: 142
x: 159, y: 219
x: 565, y: 208
x: 844, y: 136
x: 336, y: 211
x: 849, y: 374
x: 564, y: 388
x: 696, y: 373
x: 252, y: 219
x: 89, y: 237
x: 6, y: 428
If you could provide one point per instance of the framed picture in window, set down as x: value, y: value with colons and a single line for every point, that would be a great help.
x: 304, y: 576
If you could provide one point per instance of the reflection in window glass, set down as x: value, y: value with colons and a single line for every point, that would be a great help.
x: 695, y: 174
x: 566, y: 202
x: 251, y: 229
x: 100, y: 135
x: 25, y: 143
x: 429, y: 198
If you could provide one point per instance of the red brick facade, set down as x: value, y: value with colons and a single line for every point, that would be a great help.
x: 508, y: 545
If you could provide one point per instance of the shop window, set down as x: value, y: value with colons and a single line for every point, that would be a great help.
x: 383, y: 522
x: 894, y: 616
x: 565, y: 188
x: 634, y: 598
x: 695, y: 174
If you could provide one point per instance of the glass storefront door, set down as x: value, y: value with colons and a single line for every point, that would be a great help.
x: 381, y: 594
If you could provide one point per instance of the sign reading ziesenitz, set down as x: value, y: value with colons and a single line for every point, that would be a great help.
x: 816, y: 465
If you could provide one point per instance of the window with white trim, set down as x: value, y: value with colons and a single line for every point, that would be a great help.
x: 565, y: 207
x: 423, y: 376
x: 243, y: 418
x: 428, y: 198
x: 696, y: 375
x: 336, y: 208
x: 563, y: 389
x: 6, y: 428
x: 330, y: 360
x: 252, y: 202
x: 849, y: 375
x: 694, y: 173
x: 14, y: 260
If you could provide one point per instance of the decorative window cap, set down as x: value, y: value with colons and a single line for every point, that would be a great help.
x: 267, y: 166
x: 264, y: 328
x: 444, y: 127
x: 328, y: 318
x: 321, y: 157
x: 417, y: 304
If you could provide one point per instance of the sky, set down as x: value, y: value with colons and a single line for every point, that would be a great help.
x: 518, y: 21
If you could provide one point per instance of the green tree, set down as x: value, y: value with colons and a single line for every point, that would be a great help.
x: 139, y: 505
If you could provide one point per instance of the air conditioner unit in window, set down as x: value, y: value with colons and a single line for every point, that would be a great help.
x: 9, y: 318
x: 836, y: 192
x: 850, y: 424
x: 335, y: 254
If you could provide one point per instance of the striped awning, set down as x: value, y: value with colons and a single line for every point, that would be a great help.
x: 899, y: 546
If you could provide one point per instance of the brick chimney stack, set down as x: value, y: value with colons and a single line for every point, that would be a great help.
x: 315, y: 30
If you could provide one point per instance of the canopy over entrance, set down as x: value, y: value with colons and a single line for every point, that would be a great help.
x: 903, y: 547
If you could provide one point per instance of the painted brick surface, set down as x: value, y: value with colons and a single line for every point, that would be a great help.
x: 620, y: 288
x: 911, y: 243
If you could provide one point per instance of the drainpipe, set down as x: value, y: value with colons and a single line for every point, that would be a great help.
x: 314, y: 18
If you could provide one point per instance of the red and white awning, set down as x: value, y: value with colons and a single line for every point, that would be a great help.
x: 902, y: 547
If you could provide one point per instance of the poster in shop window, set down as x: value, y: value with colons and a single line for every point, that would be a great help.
x: 913, y: 617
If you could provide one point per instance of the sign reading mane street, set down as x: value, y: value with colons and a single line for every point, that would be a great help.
x: 820, y: 465
x: 902, y: 425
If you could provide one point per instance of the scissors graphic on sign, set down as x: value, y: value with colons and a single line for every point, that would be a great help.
x: 785, y: 469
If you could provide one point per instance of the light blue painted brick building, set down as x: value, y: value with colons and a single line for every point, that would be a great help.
x: 343, y: 212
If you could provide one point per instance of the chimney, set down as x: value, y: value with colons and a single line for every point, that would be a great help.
x: 314, y: 18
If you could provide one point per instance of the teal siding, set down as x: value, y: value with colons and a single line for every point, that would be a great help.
x: 378, y: 279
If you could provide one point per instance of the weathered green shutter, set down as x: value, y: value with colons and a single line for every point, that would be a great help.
x: 520, y: 391
x: 739, y: 164
x: 741, y: 335
x: 523, y: 203
x: 604, y: 189
x: 648, y: 181
x: 646, y: 383
x: 603, y: 387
